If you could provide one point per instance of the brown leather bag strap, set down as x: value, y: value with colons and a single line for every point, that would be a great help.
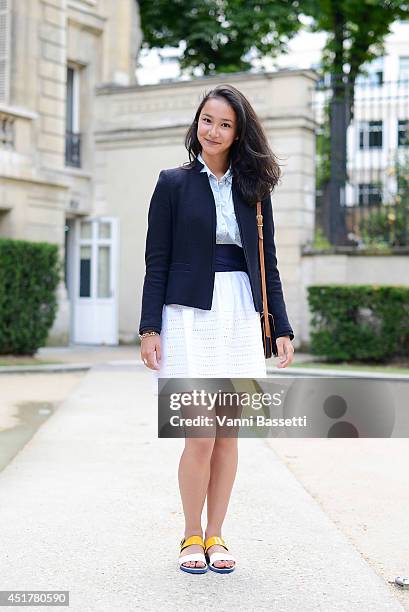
x: 263, y: 272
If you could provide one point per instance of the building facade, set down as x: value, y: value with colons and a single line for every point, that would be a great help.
x: 53, y: 54
x: 140, y: 130
x: 82, y: 144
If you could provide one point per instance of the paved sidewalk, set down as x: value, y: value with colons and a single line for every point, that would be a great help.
x: 77, y: 357
x: 91, y: 505
x: 82, y: 357
x: 91, y: 354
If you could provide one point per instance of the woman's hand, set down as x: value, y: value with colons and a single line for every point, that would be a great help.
x: 285, y: 351
x: 151, y: 352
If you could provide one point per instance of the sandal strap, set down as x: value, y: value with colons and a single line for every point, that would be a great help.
x: 194, y: 539
x: 215, y: 540
x: 193, y: 557
x: 218, y: 556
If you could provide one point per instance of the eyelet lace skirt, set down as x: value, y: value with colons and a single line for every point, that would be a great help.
x: 224, y: 342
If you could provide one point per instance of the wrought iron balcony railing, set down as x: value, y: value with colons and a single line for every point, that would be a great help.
x: 73, y: 149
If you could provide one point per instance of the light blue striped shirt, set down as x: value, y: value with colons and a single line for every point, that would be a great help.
x: 227, y: 230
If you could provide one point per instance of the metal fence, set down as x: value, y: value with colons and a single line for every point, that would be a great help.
x: 362, y: 163
x: 73, y: 149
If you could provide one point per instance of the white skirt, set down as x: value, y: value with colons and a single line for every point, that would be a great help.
x: 224, y: 342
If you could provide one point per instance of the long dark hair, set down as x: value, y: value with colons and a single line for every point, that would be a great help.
x: 254, y: 165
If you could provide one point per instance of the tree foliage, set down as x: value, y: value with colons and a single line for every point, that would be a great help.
x: 356, y: 31
x: 219, y: 34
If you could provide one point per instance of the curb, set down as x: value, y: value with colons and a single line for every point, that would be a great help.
x: 303, y: 372
x: 68, y: 367
x: 277, y: 372
x: 63, y: 367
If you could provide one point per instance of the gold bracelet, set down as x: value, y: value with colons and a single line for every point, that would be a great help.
x: 148, y: 333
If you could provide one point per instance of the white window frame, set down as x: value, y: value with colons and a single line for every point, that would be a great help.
x: 370, y: 73
x: 366, y: 190
x: 365, y: 128
x: 5, y: 42
x: 404, y: 68
x: 75, y: 98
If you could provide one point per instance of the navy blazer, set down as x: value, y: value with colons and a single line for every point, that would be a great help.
x: 180, y: 253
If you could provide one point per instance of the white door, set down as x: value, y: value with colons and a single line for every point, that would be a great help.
x: 95, y: 293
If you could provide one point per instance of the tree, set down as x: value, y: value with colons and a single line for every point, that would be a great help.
x: 219, y: 33
x: 356, y: 33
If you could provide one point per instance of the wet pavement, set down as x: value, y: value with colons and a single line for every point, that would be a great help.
x: 26, y: 402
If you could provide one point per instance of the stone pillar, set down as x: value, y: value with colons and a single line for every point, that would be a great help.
x: 122, y: 39
x: 291, y: 132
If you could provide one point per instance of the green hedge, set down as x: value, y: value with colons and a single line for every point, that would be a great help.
x: 29, y: 276
x: 359, y: 322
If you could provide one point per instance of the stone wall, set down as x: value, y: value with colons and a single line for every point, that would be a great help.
x: 38, y: 191
x: 353, y: 268
x: 141, y: 130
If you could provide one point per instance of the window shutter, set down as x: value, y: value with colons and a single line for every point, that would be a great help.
x: 5, y: 27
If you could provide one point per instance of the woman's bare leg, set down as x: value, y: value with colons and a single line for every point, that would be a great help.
x: 223, y: 468
x: 194, y: 474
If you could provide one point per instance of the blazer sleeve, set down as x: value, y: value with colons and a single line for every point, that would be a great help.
x: 275, y: 297
x: 157, y: 256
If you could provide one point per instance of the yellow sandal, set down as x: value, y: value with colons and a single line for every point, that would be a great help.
x: 218, y: 556
x: 195, y: 539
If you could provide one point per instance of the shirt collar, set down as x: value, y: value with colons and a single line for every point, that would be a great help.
x: 228, y: 174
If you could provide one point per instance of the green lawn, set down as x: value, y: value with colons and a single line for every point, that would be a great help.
x: 353, y: 366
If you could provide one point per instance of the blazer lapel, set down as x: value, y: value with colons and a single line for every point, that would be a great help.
x: 245, y: 214
x: 246, y: 218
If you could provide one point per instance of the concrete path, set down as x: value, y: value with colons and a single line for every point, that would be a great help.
x: 83, y: 356
x: 91, y: 505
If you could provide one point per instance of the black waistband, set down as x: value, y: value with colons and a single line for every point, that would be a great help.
x: 230, y: 257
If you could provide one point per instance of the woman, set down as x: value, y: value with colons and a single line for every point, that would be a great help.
x: 202, y: 293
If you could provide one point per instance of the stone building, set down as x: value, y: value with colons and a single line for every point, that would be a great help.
x: 82, y: 144
x: 53, y: 53
x: 140, y: 130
